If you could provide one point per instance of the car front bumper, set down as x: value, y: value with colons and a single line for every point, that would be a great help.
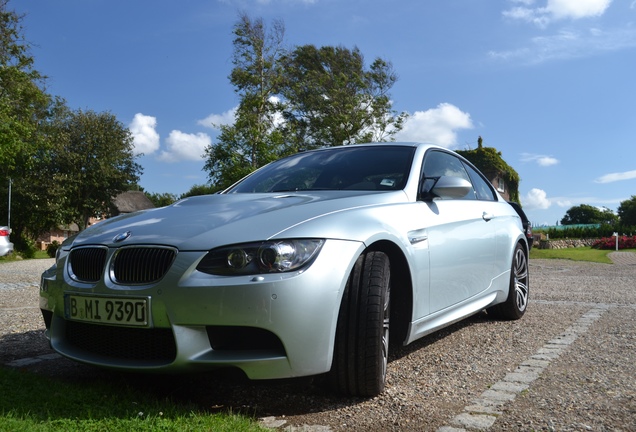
x: 270, y: 325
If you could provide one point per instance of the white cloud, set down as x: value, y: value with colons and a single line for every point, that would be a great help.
x: 541, y: 160
x: 183, y: 146
x: 536, y: 199
x: 563, y: 202
x: 436, y: 125
x: 614, y: 177
x: 568, y: 44
x: 145, y: 137
x: 547, y: 161
x: 213, y: 121
x: 577, y: 9
x: 529, y: 15
x: 555, y: 10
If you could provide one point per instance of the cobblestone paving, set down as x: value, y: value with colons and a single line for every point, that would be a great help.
x: 623, y: 258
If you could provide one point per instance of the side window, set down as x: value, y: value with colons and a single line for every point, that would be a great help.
x: 482, y: 187
x: 438, y: 164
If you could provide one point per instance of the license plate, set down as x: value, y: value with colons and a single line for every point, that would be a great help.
x: 107, y: 310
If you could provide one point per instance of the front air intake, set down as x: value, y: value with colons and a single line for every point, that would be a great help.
x: 154, y: 346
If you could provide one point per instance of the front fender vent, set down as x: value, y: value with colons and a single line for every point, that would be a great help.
x: 141, y: 265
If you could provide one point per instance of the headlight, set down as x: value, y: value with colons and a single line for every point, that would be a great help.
x: 264, y: 257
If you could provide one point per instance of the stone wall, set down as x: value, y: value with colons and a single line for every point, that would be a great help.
x: 565, y: 243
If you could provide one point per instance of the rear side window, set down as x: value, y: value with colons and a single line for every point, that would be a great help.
x: 483, y: 189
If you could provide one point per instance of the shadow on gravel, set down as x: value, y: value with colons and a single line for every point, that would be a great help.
x: 15, y: 346
x: 223, y: 390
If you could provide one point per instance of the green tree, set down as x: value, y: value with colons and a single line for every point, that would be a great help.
x: 23, y: 103
x: 24, y: 112
x: 627, y: 211
x: 253, y: 140
x: 38, y: 196
x: 292, y: 101
x: 197, y: 190
x: 331, y: 98
x: 93, y: 158
x: 161, y: 199
x: 587, y: 214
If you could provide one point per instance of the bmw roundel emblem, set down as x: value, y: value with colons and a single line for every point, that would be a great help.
x: 122, y: 236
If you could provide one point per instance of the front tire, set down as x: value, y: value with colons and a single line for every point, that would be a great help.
x: 518, y: 294
x: 362, y: 334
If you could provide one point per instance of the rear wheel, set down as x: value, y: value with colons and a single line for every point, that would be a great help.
x: 516, y: 304
x: 362, y: 335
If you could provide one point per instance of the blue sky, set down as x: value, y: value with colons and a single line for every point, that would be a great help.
x: 549, y: 83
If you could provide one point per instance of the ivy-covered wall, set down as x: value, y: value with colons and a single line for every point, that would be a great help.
x: 489, y: 161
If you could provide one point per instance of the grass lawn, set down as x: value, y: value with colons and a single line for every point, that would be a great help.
x: 29, y: 402
x: 15, y: 257
x: 575, y: 254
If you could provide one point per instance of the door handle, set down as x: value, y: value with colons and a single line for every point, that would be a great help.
x: 487, y: 216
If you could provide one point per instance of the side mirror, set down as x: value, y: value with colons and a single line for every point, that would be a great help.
x: 447, y: 187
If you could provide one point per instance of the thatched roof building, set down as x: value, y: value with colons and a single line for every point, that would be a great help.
x: 128, y: 202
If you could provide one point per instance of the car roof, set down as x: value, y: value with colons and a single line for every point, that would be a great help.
x: 387, y: 143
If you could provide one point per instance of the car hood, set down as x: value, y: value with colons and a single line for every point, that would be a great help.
x: 203, y: 222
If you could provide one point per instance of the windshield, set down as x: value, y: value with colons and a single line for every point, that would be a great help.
x: 383, y: 167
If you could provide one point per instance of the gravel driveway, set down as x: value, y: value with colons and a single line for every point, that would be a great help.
x: 568, y: 365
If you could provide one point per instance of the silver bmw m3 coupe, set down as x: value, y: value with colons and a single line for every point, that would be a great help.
x: 308, y: 266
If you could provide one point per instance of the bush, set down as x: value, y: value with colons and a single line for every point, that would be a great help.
x: 25, y: 247
x: 51, y: 249
x: 624, y: 242
x: 583, y: 231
